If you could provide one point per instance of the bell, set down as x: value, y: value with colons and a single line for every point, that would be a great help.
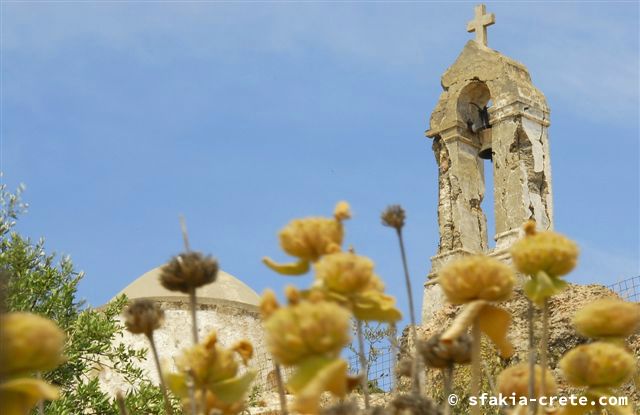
x: 485, y: 152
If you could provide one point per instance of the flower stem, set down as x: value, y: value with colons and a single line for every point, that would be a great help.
x: 533, y: 408
x: 448, y: 387
x: 40, y: 402
x: 412, y: 315
x: 281, y: 392
x: 163, y: 388
x: 191, y: 387
x: 544, y: 347
x: 194, y: 321
x: 122, y: 408
x: 363, y: 365
x: 476, y: 365
x: 393, y: 340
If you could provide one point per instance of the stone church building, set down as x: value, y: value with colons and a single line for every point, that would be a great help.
x: 489, y: 115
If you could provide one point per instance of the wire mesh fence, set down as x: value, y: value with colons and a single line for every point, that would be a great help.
x: 628, y: 289
x: 381, y: 364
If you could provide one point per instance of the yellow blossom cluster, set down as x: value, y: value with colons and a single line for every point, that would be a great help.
x: 213, y: 372
x: 28, y: 343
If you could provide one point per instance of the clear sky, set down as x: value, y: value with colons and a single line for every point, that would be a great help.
x: 119, y: 117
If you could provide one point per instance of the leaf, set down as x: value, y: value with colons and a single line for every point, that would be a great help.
x: 177, y: 383
x: 314, y: 376
x: 234, y: 389
x: 541, y: 286
x: 18, y: 396
x: 494, y: 322
x: 373, y: 305
x: 294, y: 268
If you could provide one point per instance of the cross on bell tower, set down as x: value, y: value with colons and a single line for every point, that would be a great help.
x: 480, y: 22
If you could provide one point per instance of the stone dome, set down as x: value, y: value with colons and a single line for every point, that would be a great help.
x: 227, y: 289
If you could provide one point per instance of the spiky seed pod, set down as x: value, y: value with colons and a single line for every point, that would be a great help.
x: 346, y: 273
x: 476, y: 277
x: 598, y: 364
x: 608, y: 317
x: 404, y: 367
x: 143, y: 316
x: 188, y: 271
x: 307, y: 329
x: 413, y: 404
x: 29, y: 343
x: 393, y: 217
x: 548, y: 251
x: 440, y: 355
x: 514, y: 381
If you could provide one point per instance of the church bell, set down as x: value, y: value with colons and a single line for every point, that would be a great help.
x: 485, y: 152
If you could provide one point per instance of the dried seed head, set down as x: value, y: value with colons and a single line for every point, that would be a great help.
x: 608, y: 317
x: 598, y: 364
x: 547, y: 251
x: 143, y: 316
x: 393, y: 217
x: 514, y: 381
x: 188, y: 271
x: 476, y: 277
x: 404, y: 367
x: 439, y: 355
x: 29, y: 343
x: 414, y: 405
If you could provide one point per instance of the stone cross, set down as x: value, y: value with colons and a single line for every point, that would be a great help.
x: 480, y: 22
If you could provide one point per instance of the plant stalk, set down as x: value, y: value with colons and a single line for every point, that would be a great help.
x: 544, y: 347
x: 122, y: 407
x: 163, y: 387
x: 533, y: 407
x: 194, y: 321
x: 393, y: 341
x: 281, y: 392
x: 192, y: 392
x: 40, y: 402
x: 414, y: 334
x: 476, y: 365
x: 447, y: 374
x: 363, y: 364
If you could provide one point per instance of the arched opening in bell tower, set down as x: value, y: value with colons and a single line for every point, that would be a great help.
x: 473, y: 107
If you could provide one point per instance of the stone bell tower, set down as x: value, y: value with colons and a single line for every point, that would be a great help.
x: 489, y: 110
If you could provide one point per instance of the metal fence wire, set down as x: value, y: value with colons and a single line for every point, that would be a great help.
x: 381, y: 365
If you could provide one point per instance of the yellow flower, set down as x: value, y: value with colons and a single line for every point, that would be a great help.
x: 547, y: 252
x: 306, y: 329
x: 345, y: 273
x: 268, y: 304
x: 608, y: 317
x: 245, y: 349
x: 143, y: 316
x: 19, y: 396
x: 349, y: 279
x: 514, y: 381
x: 309, y: 239
x: 598, y: 365
x: 213, y: 369
x: 29, y: 343
x: 208, y: 361
x: 188, y: 271
x: 476, y: 278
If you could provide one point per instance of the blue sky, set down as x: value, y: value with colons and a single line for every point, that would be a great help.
x: 241, y: 116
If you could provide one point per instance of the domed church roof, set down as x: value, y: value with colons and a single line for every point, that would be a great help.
x: 225, y: 289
